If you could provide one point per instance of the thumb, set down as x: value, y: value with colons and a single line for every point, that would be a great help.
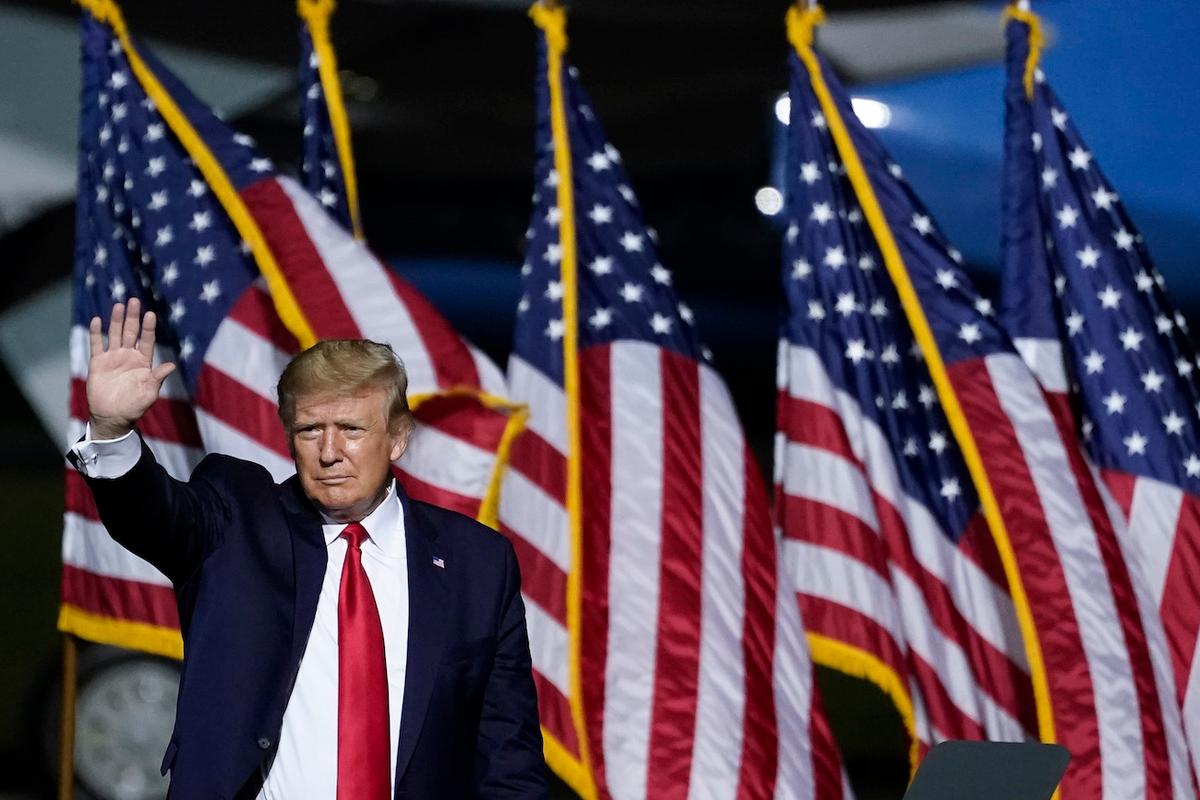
x: 161, y: 372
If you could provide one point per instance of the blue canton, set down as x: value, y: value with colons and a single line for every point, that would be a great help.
x: 320, y: 168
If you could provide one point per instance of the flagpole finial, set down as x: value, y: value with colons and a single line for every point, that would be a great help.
x: 106, y: 11
x: 802, y: 18
x: 1020, y: 11
x: 551, y: 18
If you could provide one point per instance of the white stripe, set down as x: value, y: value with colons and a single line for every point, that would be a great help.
x: 536, y: 517
x: 88, y: 546
x: 1122, y: 762
x: 1153, y: 520
x: 824, y: 477
x: 80, y: 349
x: 547, y: 646
x: 247, y: 357
x: 546, y: 400
x: 986, y: 606
x: 721, y: 690
x: 1045, y: 359
x: 365, y: 288
x: 830, y: 575
x: 634, y: 557
x: 491, y: 377
x: 792, y: 681
x: 1191, y: 707
x: 223, y: 438
x: 447, y: 462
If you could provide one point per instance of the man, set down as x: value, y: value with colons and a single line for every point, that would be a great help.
x: 340, y: 640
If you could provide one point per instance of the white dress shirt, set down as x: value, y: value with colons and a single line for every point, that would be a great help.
x: 306, y: 762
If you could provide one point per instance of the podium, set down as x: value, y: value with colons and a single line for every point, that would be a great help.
x: 989, y: 771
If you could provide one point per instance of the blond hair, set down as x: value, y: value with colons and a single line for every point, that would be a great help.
x: 344, y: 366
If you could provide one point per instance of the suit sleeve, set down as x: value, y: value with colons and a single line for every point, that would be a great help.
x: 172, y: 524
x: 509, y: 761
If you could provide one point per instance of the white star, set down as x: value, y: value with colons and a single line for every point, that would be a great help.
x: 1143, y: 280
x: 1067, y: 217
x: 1135, y: 443
x: 1180, y: 322
x: 685, y: 313
x: 555, y: 329
x: 101, y: 255
x: 1163, y: 323
x: 551, y: 178
x: 553, y: 253
x: 810, y: 173
x: 154, y: 132
x: 201, y: 220
x: 632, y: 293
x: 1109, y: 298
x: 1131, y: 339
x: 1103, y: 198
x: 170, y: 274
x: 955, y: 255
x: 950, y: 488
x: 1074, y: 323
x: 210, y: 291
x: 1183, y: 367
x: 984, y: 307
x: 601, y: 318
x: 846, y: 305
x: 661, y: 274
x: 1036, y: 140
x: 854, y: 215
x: 522, y: 305
x: 1094, y: 362
x: 910, y: 447
x: 818, y: 120
x: 1058, y: 118
x: 1152, y: 381
x: 628, y: 194
x: 1173, y: 423
x: 661, y: 324
x: 894, y: 168
x: 118, y: 80
x: 155, y: 166
x: 866, y: 263
x: 611, y: 152
x: 801, y: 269
x: 205, y: 255
x: 101, y: 194
x: 554, y: 290
x: 926, y: 396
x: 1049, y: 177
x: 600, y: 214
x: 937, y: 442
x: 328, y: 197
x: 314, y: 92
x: 1192, y: 465
x: 1115, y: 402
x: 186, y: 348
x: 309, y: 129
x: 891, y: 355
x: 946, y: 279
x: 969, y: 333
x: 601, y: 265
x: 900, y: 401
x: 329, y: 169
x: 1124, y: 239
x: 835, y: 257
x: 821, y: 213
x: 260, y: 164
x: 631, y: 241
x: 816, y: 311
x: 879, y: 308
x: 1088, y: 257
x: 1086, y: 428
x: 119, y: 110
x: 553, y: 215
x: 158, y: 200
x: 163, y: 236
x: 1080, y: 158
x: 197, y: 188
x: 117, y: 289
x: 598, y: 162
x: 922, y: 224
x: 792, y: 232
x: 856, y: 351
x: 89, y: 280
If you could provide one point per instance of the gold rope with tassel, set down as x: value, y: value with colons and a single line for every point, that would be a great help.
x: 1037, y: 42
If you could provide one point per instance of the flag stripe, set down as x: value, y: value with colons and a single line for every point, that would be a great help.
x: 111, y: 596
x: 542, y: 581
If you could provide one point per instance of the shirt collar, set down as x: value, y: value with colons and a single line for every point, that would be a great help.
x: 385, y: 525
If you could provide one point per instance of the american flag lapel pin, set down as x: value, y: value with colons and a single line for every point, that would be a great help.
x: 439, y: 562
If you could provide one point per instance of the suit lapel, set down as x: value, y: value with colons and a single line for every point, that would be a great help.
x: 309, y: 558
x: 428, y: 593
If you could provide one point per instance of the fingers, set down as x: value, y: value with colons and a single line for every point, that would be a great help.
x: 146, y: 343
x: 161, y: 372
x: 133, y: 322
x: 95, y: 337
x: 115, y: 322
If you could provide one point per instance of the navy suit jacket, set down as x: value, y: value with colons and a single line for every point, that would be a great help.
x: 247, y: 558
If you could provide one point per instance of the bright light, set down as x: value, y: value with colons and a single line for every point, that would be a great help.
x: 783, y: 109
x: 769, y: 200
x: 871, y: 113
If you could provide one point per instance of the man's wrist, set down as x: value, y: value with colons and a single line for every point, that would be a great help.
x: 104, y: 429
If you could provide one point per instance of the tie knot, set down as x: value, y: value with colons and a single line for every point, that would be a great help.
x: 355, y: 533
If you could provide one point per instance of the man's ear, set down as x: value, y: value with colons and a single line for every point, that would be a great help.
x: 401, y: 437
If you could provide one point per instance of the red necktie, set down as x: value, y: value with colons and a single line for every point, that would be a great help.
x: 364, y: 747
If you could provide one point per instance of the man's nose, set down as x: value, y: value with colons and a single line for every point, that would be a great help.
x: 331, y: 451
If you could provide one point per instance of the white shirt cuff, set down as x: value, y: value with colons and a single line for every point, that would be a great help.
x: 106, y: 458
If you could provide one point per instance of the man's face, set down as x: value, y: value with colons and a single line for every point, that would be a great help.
x: 343, y: 451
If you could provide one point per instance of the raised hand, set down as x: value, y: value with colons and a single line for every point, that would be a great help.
x: 122, y: 381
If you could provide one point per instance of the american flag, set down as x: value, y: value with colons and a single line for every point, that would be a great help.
x: 665, y: 668
x: 1090, y: 314
x: 179, y: 210
x: 1069, y: 589
x: 326, y: 159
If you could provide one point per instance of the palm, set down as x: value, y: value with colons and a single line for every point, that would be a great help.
x: 122, y: 380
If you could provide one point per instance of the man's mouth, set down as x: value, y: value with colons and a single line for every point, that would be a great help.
x: 333, y: 480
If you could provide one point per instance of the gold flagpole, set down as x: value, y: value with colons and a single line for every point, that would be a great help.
x: 66, y: 720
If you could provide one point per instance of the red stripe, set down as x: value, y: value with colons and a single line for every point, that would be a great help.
x: 541, y: 579
x: 806, y: 422
x: 1121, y: 486
x: 677, y: 653
x: 851, y: 627
x: 820, y: 524
x: 537, y: 460
x: 826, y: 759
x: 418, y: 489
x: 760, y: 727
x: 305, y: 273
x: 168, y: 419
x: 1181, y: 594
x: 242, y: 409
x: 977, y: 544
x: 466, y: 419
x: 947, y: 717
x: 79, y: 499
x: 117, y: 598
x: 596, y: 454
x: 451, y: 359
x: 554, y: 713
x: 1071, y: 691
x: 256, y: 311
